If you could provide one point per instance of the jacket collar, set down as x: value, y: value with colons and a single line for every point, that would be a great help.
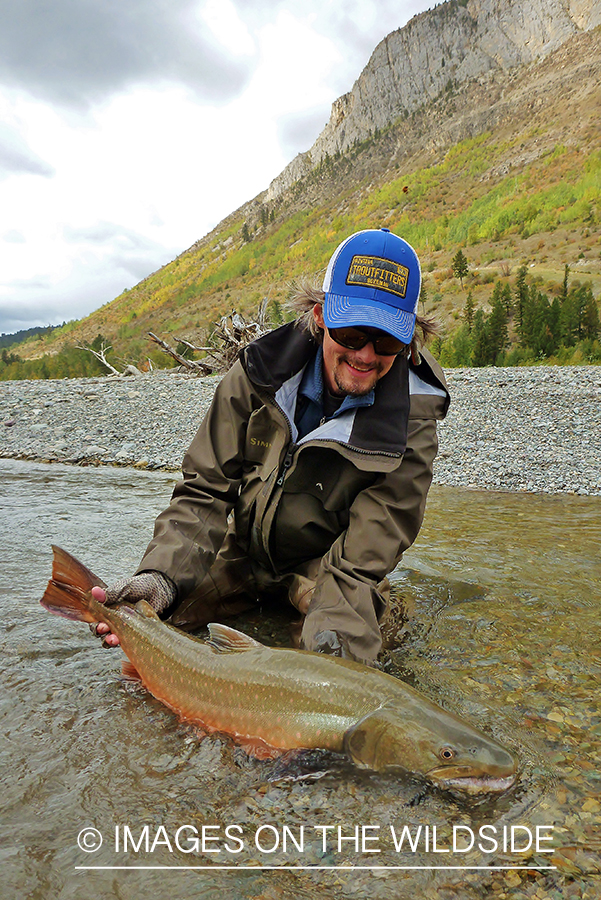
x: 312, y: 386
x: 275, y: 362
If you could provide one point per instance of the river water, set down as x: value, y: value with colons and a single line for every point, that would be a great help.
x: 502, y: 594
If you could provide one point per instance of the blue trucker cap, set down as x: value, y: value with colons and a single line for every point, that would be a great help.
x: 373, y: 280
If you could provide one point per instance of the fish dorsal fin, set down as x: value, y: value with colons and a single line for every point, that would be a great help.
x: 143, y: 608
x: 228, y: 640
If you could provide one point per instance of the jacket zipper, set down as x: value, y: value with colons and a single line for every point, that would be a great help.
x: 286, y: 464
x: 292, y: 447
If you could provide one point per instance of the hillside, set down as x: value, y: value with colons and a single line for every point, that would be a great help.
x: 505, y: 164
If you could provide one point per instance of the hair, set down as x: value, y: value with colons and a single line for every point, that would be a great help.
x: 304, y: 295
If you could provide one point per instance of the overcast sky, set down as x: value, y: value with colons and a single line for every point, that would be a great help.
x: 130, y: 128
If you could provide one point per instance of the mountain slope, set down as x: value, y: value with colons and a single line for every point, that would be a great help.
x: 454, y: 43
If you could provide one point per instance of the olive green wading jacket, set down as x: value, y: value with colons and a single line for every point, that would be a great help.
x: 352, y: 492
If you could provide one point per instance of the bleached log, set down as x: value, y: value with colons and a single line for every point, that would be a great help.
x: 101, y: 357
x: 229, y: 337
x: 192, y: 365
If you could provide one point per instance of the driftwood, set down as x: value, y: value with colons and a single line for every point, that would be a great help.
x: 101, y: 356
x: 191, y: 364
x: 129, y: 368
x: 232, y: 333
x: 229, y: 336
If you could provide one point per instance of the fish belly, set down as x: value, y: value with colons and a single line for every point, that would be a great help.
x: 255, y: 695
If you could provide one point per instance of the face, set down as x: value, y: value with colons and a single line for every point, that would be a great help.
x: 414, y: 734
x: 353, y: 372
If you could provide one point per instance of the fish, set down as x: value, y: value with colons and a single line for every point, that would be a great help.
x: 272, y: 700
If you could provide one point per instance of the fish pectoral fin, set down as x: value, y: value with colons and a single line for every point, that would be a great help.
x: 228, y: 640
x: 258, y: 748
x: 365, y: 741
x: 145, y: 609
x: 128, y: 670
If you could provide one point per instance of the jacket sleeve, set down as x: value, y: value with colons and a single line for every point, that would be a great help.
x: 190, y: 531
x: 384, y: 521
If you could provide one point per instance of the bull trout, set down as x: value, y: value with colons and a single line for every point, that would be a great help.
x: 273, y: 700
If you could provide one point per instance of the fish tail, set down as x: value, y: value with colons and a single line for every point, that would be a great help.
x: 68, y: 591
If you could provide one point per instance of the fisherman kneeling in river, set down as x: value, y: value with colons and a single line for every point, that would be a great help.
x: 309, y: 473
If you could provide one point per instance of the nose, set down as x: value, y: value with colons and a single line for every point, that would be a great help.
x: 367, y: 355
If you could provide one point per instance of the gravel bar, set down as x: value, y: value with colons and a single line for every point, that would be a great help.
x: 517, y: 429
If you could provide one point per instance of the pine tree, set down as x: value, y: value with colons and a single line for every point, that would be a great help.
x: 460, y: 266
x: 591, y: 323
x: 461, y: 347
x: 507, y: 300
x: 538, y: 330
x: 521, y: 293
x: 480, y: 353
x: 496, y: 326
x: 564, y: 287
x: 468, y: 312
x: 579, y: 315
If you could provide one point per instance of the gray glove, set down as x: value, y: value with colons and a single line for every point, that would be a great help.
x: 158, y: 590
x: 332, y: 643
x: 335, y: 644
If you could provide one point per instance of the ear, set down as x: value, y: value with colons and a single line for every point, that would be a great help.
x: 318, y: 315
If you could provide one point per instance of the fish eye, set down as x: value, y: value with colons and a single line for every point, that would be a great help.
x: 447, y: 753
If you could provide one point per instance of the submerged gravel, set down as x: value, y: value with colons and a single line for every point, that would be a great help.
x: 520, y: 429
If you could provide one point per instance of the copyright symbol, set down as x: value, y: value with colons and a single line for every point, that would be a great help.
x: 89, y: 840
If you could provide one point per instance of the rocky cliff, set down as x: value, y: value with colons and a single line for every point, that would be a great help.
x: 438, y: 50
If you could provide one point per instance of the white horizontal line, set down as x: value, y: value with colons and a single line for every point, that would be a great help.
x: 296, y: 868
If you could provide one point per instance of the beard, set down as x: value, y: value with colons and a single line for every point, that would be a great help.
x: 355, y: 385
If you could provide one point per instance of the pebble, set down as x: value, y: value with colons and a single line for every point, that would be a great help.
x: 533, y: 429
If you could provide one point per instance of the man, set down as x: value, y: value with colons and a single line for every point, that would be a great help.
x: 310, y: 472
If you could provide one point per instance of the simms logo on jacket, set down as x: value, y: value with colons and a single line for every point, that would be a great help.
x: 256, y: 442
x: 378, y: 273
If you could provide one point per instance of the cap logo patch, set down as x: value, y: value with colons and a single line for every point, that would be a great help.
x: 382, y: 274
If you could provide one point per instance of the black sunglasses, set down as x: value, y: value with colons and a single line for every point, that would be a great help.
x: 356, y: 339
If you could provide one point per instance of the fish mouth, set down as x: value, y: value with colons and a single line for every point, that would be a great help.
x: 468, y: 781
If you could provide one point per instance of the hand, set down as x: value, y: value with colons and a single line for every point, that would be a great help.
x: 154, y: 587
x: 101, y: 629
x: 335, y: 644
x: 332, y: 643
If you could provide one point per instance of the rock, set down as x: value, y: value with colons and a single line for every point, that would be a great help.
x: 447, y: 45
x: 505, y: 429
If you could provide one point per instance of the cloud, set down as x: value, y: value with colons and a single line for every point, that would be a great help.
x: 103, y: 259
x: 177, y: 93
x: 79, y: 52
x: 107, y: 233
x: 31, y: 315
x: 297, y: 131
x: 13, y: 237
x: 119, y: 248
x: 17, y: 156
x: 26, y: 314
x: 355, y: 27
x: 90, y: 283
